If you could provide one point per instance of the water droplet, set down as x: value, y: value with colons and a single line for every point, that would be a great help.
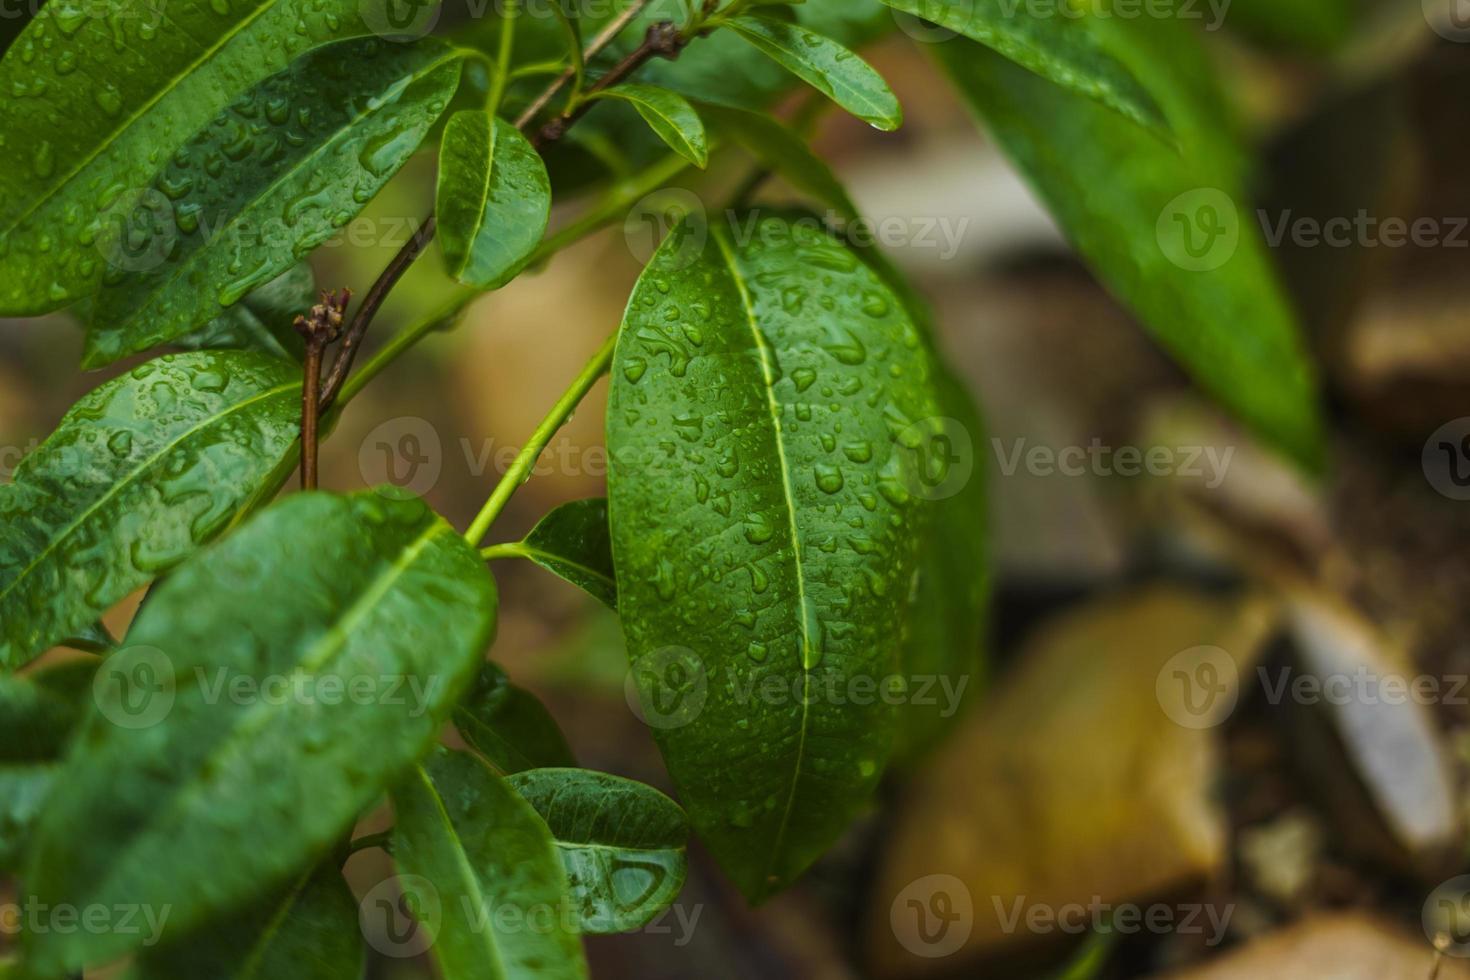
x: 634, y: 369
x: 758, y: 528
x: 829, y: 478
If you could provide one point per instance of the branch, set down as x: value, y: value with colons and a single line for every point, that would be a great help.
x: 598, y: 45
x: 369, y: 309
x: 318, y: 328
x: 663, y: 40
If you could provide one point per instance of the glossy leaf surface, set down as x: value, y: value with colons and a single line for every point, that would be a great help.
x: 264, y: 320
x: 669, y: 115
x: 573, y: 543
x: 622, y: 843
x: 763, y: 518
x: 493, y: 199
x: 499, y: 883
x: 509, y: 726
x: 96, y: 96
x: 138, y: 475
x: 1170, y: 231
x: 268, y: 692
x: 827, y: 66
x: 276, y: 174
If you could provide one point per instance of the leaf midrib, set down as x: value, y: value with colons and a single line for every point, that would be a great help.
x: 248, y: 206
x: 762, y: 349
x: 315, y: 657
x: 128, y: 123
x: 132, y: 478
x: 462, y: 864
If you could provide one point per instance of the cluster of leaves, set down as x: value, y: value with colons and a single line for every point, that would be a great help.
x: 167, y: 176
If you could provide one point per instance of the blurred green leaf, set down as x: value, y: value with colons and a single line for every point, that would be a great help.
x: 785, y: 153
x: 509, y: 726
x: 1167, y: 227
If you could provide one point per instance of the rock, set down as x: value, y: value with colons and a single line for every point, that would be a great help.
x: 1367, y: 739
x: 1090, y: 777
x: 1344, y: 946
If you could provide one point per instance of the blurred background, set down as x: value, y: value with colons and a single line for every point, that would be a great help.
x: 1148, y: 785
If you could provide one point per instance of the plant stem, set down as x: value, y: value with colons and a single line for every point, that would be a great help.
x: 498, y: 551
x: 369, y: 309
x: 614, y: 204
x: 520, y: 470
x: 310, y: 403
x: 403, y: 340
x: 502, y: 64
x: 663, y: 40
x: 598, y: 45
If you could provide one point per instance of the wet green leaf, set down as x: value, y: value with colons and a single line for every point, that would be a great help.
x: 499, y: 884
x: 308, y: 931
x: 1063, y: 48
x: 764, y: 388
x: 669, y: 115
x: 494, y: 199
x: 276, y: 174
x: 138, y: 475
x: 96, y: 95
x: 622, y: 844
x: 509, y: 726
x: 269, y: 691
x: 264, y: 320
x: 1169, y: 230
x: 825, y: 65
x: 572, y: 542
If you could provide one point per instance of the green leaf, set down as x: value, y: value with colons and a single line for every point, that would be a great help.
x: 622, y: 844
x: 827, y: 66
x: 501, y: 890
x: 139, y: 474
x: 93, y: 103
x: 509, y: 726
x: 1220, y: 311
x: 308, y: 931
x: 669, y: 115
x: 785, y: 153
x: 273, y: 176
x: 264, y: 320
x: 1062, y: 48
x: 23, y: 789
x: 573, y: 543
x: 1316, y: 26
x: 763, y: 527
x: 270, y: 690
x: 494, y: 200
x: 39, y: 711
